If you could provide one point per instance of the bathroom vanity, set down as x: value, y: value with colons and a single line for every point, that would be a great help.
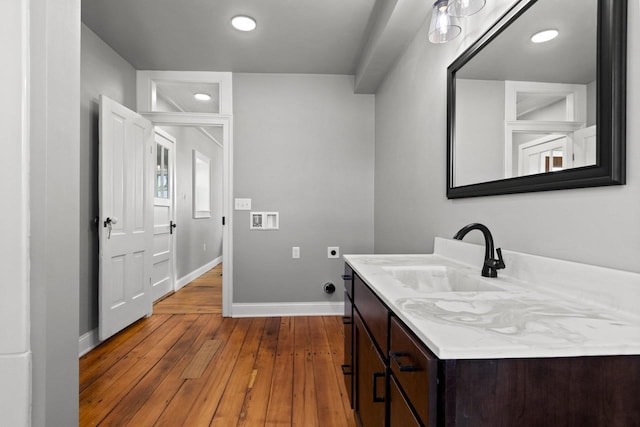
x: 429, y: 342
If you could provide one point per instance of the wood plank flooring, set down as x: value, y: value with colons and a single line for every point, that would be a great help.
x: 193, y: 368
x: 203, y: 295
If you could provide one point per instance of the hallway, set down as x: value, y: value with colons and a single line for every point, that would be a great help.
x: 186, y: 365
x: 202, y: 295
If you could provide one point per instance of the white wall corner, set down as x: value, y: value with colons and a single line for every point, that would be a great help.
x: 88, y: 342
x: 15, y: 401
x: 286, y: 309
x: 394, y: 26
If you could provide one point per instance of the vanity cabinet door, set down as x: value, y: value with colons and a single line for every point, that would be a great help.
x: 416, y: 369
x: 347, y: 366
x: 370, y: 397
x: 400, y: 414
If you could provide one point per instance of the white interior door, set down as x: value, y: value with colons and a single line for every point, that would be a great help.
x: 546, y: 154
x: 126, y: 217
x: 164, y: 226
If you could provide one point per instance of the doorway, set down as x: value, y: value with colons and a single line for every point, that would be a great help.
x: 202, y: 101
x: 203, y: 237
x: 194, y: 189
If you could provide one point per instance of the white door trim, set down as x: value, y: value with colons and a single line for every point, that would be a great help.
x: 146, y: 86
x: 15, y: 316
x: 195, y: 119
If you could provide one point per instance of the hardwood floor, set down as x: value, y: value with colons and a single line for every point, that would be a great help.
x: 203, y: 295
x: 187, y: 367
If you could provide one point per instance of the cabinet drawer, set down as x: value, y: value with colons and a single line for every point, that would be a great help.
x: 400, y: 415
x: 373, y: 312
x: 415, y: 367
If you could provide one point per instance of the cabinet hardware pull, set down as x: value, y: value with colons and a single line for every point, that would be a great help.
x: 346, y: 277
x: 346, y: 370
x: 347, y: 320
x: 377, y: 375
x: 396, y: 355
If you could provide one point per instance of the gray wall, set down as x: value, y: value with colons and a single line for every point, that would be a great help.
x: 54, y: 208
x: 479, y: 149
x: 193, y: 233
x: 103, y: 71
x: 597, y: 226
x: 303, y: 146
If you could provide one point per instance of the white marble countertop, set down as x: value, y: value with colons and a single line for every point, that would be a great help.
x: 520, y: 319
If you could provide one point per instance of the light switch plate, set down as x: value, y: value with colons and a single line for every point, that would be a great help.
x: 295, y: 252
x: 243, y: 204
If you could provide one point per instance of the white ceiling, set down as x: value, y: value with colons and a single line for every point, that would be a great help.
x: 570, y: 58
x: 356, y: 37
x: 293, y: 36
x: 363, y: 38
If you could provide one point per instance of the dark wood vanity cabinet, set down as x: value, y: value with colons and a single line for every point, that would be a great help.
x: 370, y: 346
x: 397, y: 381
x: 591, y: 391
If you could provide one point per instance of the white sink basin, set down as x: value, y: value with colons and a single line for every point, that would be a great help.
x: 439, y: 279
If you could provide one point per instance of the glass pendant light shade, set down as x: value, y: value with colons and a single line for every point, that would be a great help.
x: 462, y: 8
x: 443, y: 26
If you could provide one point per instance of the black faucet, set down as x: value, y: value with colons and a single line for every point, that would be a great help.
x: 491, y: 265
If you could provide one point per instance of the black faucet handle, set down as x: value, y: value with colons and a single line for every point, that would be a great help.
x: 495, y: 264
x: 500, y: 261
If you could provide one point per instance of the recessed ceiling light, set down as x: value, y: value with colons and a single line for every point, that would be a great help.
x: 243, y: 23
x: 202, y: 96
x: 544, y: 36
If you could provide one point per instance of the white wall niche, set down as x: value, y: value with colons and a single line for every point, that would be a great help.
x: 264, y: 221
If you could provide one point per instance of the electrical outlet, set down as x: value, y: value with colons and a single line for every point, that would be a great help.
x: 295, y: 252
x: 333, y: 252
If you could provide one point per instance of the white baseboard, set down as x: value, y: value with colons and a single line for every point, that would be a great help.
x: 88, y: 342
x: 181, y: 282
x: 285, y: 309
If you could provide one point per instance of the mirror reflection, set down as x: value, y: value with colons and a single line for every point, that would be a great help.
x: 525, y: 107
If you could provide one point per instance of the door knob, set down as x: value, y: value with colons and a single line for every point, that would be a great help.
x: 110, y: 221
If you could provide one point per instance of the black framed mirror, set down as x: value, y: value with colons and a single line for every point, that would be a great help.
x: 525, y: 116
